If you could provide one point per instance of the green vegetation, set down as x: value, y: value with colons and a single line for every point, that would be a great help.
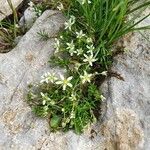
x: 85, y: 50
x: 9, y: 30
x: 43, y: 35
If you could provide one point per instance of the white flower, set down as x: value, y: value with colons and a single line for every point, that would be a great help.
x: 61, y: 37
x: 72, y: 115
x: 89, y: 40
x: 16, y: 25
x: 71, y: 51
x: 84, y: 1
x: 45, y: 98
x: 70, y: 45
x: 67, y: 120
x: 90, y: 59
x: 77, y: 66
x: 90, y: 48
x: 63, y: 109
x: 104, y: 73
x: 80, y: 34
x: 86, y: 77
x: 71, y: 48
x: 31, y: 4
x: 57, y: 45
x: 103, y: 98
x: 60, y: 6
x: 72, y: 19
x: 79, y: 51
x: 52, y: 102
x: 48, y: 77
x: 68, y: 24
x: 65, y: 82
x: 63, y: 124
x: 73, y: 97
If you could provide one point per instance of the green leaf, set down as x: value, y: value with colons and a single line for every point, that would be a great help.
x: 55, y: 121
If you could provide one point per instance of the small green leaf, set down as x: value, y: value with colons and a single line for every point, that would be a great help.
x: 55, y: 121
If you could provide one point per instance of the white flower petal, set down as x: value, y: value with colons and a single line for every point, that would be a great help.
x: 69, y: 84
x: 59, y: 82
x: 64, y: 87
x: 69, y: 78
x: 61, y: 77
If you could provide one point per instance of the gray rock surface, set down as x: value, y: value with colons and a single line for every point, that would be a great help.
x: 126, y: 121
x: 5, y: 9
x: 28, y: 18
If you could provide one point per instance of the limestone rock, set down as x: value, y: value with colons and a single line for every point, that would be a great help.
x: 5, y: 9
x: 28, y: 19
x: 127, y: 117
x: 123, y: 131
x: 19, y: 129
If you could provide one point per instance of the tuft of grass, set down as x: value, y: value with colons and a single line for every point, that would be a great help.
x: 107, y: 21
x: 85, y: 50
x: 8, y: 33
x: 9, y: 30
x: 15, y: 17
x: 43, y: 35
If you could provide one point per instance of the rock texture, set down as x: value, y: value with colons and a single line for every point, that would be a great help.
x: 19, y: 129
x: 128, y: 102
x: 126, y: 121
x: 5, y: 9
x: 28, y: 18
